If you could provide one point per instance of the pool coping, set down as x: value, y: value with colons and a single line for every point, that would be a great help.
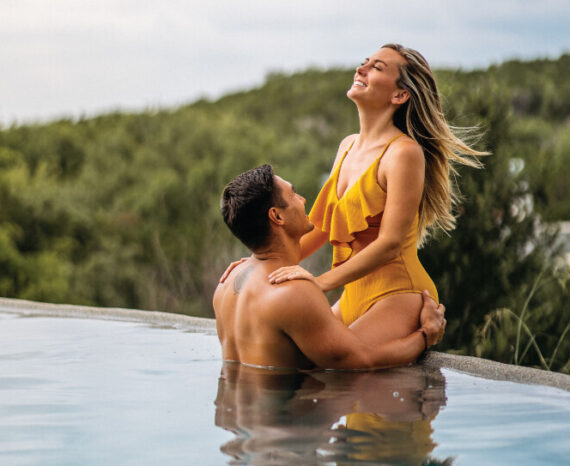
x: 470, y: 365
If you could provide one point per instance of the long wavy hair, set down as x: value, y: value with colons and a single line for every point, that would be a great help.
x: 422, y: 119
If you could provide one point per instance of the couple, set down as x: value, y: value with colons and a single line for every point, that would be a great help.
x: 389, y: 187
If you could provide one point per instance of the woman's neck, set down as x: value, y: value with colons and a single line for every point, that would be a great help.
x: 376, y: 126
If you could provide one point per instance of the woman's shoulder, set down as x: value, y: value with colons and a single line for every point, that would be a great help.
x: 347, y: 141
x: 343, y: 147
x: 403, y: 158
x: 407, y: 149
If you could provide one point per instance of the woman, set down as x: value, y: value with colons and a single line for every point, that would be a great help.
x: 388, y: 189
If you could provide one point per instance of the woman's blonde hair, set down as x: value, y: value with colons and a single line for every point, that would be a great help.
x: 422, y: 119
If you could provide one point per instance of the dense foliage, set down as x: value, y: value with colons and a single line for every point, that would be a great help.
x: 122, y: 210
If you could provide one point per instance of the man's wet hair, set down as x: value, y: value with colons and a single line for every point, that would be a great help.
x: 245, y: 202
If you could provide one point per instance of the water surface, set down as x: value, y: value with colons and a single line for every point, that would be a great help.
x: 89, y: 392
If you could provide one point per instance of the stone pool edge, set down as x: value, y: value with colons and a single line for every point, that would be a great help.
x: 467, y: 364
x: 158, y: 318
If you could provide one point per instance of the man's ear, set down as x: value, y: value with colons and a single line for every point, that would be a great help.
x: 275, y: 215
x: 400, y: 97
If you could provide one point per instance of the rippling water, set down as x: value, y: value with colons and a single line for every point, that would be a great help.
x: 86, y: 392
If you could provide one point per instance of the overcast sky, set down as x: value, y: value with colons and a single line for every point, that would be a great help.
x: 85, y: 57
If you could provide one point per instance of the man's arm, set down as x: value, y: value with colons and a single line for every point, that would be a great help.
x: 303, y: 313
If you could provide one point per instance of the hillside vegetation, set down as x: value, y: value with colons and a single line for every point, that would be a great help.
x: 123, y: 209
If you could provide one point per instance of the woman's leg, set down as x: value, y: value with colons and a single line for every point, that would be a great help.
x: 336, y: 310
x: 392, y: 317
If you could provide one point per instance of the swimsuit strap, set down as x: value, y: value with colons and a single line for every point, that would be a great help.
x: 336, y: 173
x: 388, y: 145
x: 379, y: 157
x: 339, y: 164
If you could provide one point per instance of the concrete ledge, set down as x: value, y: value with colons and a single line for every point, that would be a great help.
x: 497, y: 370
x: 470, y: 365
x: 161, y: 319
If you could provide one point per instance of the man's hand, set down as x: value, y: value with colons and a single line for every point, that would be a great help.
x: 432, y: 319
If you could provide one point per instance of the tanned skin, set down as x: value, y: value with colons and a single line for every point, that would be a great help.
x: 291, y: 324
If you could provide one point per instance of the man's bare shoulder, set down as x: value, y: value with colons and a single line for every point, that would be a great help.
x: 234, y: 283
x: 280, y: 303
x: 292, y: 299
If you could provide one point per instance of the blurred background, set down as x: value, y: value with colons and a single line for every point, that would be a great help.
x: 121, y: 121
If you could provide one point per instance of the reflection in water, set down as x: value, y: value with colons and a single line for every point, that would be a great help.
x: 284, y: 417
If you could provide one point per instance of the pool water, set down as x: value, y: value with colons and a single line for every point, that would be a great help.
x: 91, y: 392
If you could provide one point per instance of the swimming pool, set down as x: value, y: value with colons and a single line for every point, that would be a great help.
x: 85, y: 392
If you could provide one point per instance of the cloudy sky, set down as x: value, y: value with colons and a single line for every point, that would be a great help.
x: 85, y: 57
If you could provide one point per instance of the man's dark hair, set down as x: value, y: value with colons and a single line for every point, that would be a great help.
x: 245, y: 203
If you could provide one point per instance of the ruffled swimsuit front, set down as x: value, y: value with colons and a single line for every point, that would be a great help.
x: 356, y: 215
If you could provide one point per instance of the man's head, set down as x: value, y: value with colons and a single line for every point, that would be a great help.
x: 255, y: 200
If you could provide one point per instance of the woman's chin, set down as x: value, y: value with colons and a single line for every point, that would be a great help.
x: 352, y: 95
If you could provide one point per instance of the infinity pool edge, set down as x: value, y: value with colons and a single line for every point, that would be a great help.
x: 471, y: 365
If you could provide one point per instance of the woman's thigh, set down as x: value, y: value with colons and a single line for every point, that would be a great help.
x: 336, y: 310
x: 392, y: 317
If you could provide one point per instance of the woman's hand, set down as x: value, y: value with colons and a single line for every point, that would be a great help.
x: 232, y: 266
x: 292, y: 272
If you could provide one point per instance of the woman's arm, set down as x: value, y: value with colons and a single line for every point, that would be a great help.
x: 402, y: 176
x: 312, y: 241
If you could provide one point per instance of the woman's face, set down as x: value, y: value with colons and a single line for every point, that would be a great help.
x: 375, y: 79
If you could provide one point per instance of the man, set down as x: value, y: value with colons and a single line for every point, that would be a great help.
x: 291, y: 324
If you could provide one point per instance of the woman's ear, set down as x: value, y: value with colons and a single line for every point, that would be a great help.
x: 400, y: 97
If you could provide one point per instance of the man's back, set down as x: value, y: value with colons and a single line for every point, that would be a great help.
x: 247, y: 309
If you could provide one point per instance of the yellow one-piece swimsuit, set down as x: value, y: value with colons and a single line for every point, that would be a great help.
x: 357, y: 215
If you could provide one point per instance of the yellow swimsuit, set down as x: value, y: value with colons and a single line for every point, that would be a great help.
x: 356, y: 216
